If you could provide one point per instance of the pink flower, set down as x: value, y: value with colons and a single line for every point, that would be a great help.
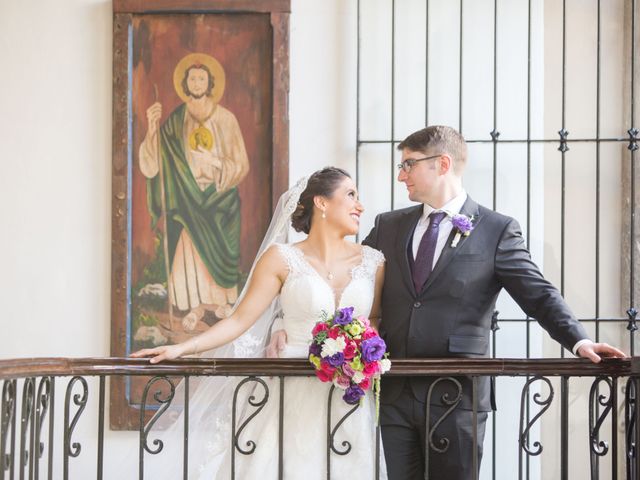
x: 369, y: 333
x: 371, y: 369
x: 364, y: 321
x: 365, y: 384
x: 320, y: 327
x: 350, y: 350
x: 342, y: 382
x: 324, y: 365
x: 326, y: 368
x: 323, y: 376
x: 325, y: 372
x: 347, y: 370
x: 334, y: 332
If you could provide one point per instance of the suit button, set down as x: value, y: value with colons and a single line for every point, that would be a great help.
x: 417, y: 305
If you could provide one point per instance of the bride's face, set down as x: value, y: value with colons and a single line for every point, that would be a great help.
x: 343, y: 209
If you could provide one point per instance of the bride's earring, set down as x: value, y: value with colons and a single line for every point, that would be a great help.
x: 324, y: 215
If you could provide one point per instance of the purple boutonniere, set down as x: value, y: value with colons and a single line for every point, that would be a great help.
x: 463, y: 226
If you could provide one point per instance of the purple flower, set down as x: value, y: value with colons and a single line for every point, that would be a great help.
x: 462, y: 223
x: 336, y: 360
x: 343, y: 316
x: 373, y: 349
x: 353, y: 394
x: 315, y: 349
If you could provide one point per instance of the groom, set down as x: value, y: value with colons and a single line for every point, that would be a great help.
x: 439, y: 295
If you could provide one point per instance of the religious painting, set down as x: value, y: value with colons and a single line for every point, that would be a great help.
x: 199, y: 160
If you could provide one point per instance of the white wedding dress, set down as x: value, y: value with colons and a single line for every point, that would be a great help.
x: 304, y: 296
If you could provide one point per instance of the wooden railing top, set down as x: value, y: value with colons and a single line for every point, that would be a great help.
x: 36, y: 367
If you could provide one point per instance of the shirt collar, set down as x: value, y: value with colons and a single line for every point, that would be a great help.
x: 452, y: 207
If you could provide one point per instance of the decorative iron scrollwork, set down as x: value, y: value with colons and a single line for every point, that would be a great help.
x: 545, y: 403
x: 331, y: 432
x: 258, y: 404
x: 26, y: 425
x: 632, y: 313
x: 494, y: 321
x: 451, y: 403
x: 164, y: 402
x: 598, y: 447
x: 43, y: 400
x: 235, y: 432
x: 563, y: 140
x: 7, y: 424
x: 630, y: 422
x: 633, y: 139
x: 80, y: 400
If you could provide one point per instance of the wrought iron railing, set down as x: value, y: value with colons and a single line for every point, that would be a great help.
x: 28, y: 392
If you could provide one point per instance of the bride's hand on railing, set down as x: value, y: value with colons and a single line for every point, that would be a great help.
x: 157, y: 354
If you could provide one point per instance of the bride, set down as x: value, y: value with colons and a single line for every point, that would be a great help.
x: 296, y: 282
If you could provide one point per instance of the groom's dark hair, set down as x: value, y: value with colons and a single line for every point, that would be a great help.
x: 321, y: 183
x: 437, y: 139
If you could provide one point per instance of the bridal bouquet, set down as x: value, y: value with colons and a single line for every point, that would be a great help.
x: 347, y: 351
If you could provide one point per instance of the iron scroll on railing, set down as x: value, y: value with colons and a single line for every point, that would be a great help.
x: 28, y: 396
x: 7, y: 426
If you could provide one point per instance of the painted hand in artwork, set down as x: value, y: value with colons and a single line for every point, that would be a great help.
x: 154, y: 113
x: 206, y: 157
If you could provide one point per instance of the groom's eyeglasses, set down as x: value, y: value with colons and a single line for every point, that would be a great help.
x: 408, y: 164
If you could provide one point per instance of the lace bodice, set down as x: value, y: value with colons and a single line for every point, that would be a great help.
x: 305, y: 294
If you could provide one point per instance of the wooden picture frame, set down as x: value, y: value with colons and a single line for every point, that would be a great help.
x: 239, y: 51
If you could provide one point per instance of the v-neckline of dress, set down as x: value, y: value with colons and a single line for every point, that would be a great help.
x: 336, y: 300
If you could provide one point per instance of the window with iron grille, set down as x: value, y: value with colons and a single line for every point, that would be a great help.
x: 544, y: 92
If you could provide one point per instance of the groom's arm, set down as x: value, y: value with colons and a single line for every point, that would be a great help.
x: 372, y: 239
x: 539, y: 299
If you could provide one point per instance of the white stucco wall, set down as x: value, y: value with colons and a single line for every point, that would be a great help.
x: 55, y: 170
x: 55, y: 159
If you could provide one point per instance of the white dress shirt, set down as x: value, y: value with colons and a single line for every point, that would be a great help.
x: 452, y: 207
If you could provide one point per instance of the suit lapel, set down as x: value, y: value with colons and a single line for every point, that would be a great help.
x: 406, y: 227
x: 470, y: 209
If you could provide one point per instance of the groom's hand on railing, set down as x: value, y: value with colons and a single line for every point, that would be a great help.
x: 595, y: 351
x: 276, y: 344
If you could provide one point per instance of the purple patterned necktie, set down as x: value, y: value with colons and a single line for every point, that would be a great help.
x: 423, y: 263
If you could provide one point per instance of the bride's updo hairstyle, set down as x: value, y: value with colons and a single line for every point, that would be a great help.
x: 321, y: 183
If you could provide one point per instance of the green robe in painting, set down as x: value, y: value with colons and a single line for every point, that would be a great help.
x: 211, y: 218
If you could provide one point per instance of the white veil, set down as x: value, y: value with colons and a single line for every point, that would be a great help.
x: 210, y: 398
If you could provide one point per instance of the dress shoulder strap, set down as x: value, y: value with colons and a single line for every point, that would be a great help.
x: 371, y: 260
x: 293, y: 257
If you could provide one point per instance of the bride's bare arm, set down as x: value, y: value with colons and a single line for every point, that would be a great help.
x: 265, y: 284
x: 376, y: 308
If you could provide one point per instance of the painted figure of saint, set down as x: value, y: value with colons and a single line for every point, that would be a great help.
x: 201, y: 156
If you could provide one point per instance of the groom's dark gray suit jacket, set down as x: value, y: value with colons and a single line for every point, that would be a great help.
x: 451, y: 316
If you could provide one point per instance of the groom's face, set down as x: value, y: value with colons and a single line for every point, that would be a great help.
x: 423, y: 179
